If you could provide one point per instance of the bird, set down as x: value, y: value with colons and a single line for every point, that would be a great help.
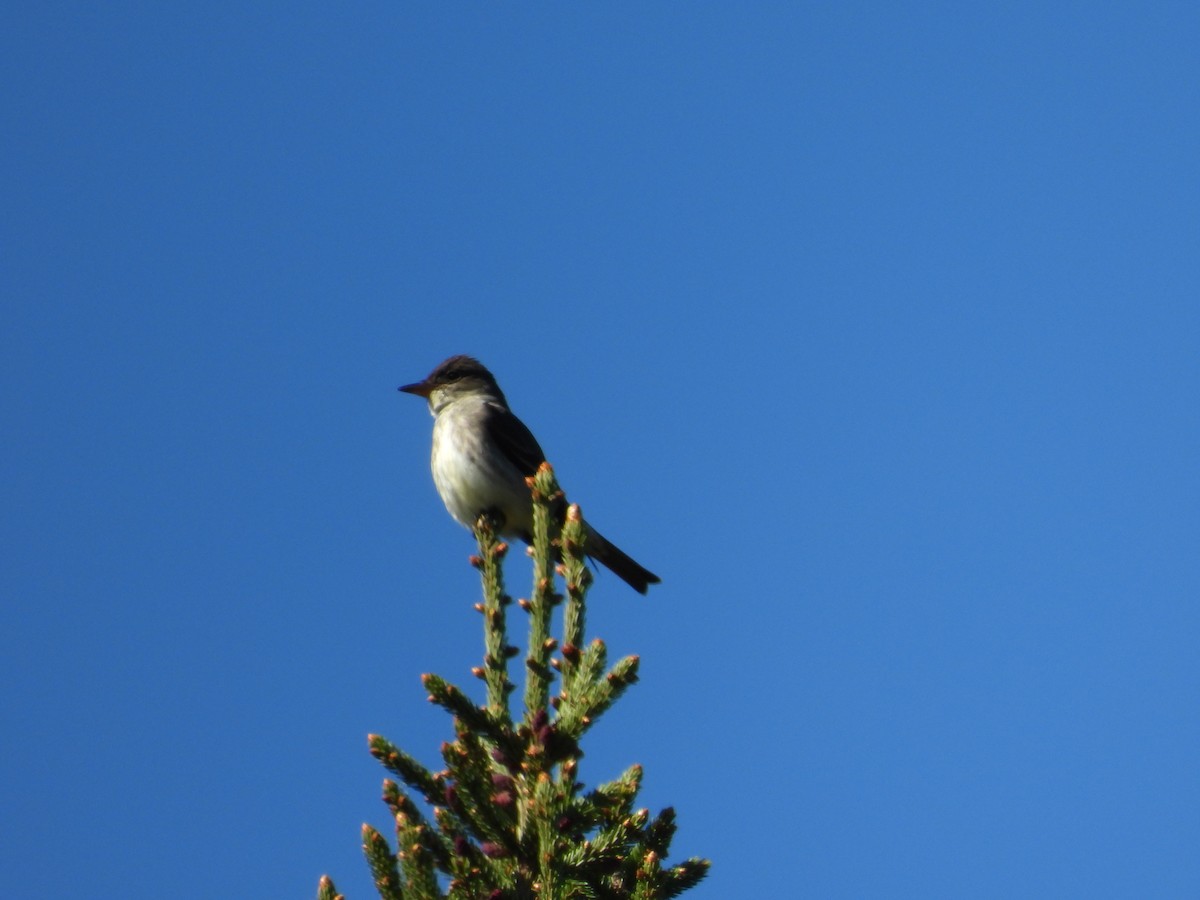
x: 482, y: 454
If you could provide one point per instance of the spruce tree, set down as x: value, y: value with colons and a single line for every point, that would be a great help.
x: 508, y: 817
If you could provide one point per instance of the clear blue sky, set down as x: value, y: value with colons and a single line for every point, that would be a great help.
x: 873, y: 328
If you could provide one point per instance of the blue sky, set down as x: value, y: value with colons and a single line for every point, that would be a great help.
x: 871, y: 328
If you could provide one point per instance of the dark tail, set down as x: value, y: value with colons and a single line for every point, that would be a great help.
x: 621, y: 565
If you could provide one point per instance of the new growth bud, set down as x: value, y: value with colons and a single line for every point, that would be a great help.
x: 492, y: 850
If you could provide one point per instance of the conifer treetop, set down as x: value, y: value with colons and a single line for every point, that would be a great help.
x: 507, y: 817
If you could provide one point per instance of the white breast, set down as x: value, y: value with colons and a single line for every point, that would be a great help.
x: 472, y: 475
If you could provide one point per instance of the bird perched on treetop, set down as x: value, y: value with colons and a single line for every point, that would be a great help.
x: 482, y: 454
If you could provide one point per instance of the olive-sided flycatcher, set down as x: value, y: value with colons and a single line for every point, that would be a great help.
x: 482, y: 454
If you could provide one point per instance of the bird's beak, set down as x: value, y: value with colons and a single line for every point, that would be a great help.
x: 420, y: 388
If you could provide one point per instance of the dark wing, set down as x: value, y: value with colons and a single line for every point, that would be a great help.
x: 512, y: 437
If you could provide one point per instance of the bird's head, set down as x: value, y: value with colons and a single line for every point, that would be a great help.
x: 456, y: 377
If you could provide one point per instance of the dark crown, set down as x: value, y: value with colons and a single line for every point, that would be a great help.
x: 457, y: 368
